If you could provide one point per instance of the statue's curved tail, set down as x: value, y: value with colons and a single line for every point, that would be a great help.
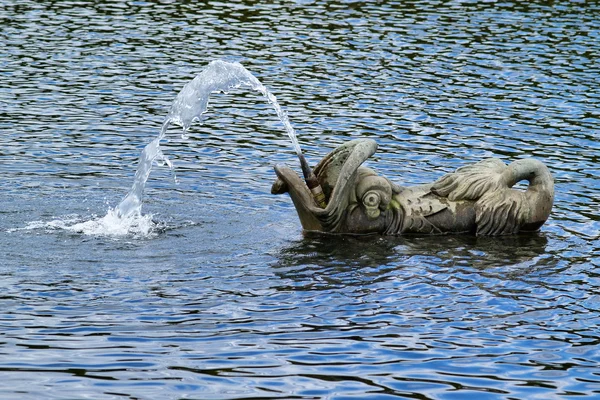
x: 500, y: 209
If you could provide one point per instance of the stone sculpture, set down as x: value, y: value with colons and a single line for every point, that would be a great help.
x: 478, y: 198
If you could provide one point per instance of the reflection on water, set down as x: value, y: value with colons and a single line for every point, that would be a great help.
x: 352, y: 250
x: 228, y: 299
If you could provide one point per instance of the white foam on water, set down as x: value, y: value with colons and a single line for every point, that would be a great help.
x: 46, y: 225
x: 111, y: 225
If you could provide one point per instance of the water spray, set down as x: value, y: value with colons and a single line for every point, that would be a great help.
x: 188, y: 106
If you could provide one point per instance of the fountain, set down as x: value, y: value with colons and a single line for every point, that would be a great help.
x: 477, y: 198
x: 342, y: 196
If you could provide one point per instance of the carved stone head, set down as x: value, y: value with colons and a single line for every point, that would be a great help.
x: 358, y: 200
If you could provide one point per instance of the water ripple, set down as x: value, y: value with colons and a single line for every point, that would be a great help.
x: 227, y: 298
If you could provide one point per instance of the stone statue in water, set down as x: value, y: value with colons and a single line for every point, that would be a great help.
x: 474, y: 199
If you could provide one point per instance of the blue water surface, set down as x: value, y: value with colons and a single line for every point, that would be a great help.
x: 224, y: 297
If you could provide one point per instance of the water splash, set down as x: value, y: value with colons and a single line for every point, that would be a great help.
x: 188, y: 107
x: 113, y: 224
x: 110, y: 225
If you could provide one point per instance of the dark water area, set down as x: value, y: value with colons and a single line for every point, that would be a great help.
x: 225, y: 297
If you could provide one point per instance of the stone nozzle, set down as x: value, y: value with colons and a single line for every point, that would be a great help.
x: 312, y: 182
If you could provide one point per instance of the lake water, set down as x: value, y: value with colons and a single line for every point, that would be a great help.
x: 221, y: 296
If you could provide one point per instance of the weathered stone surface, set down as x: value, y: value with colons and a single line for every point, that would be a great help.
x: 477, y: 199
